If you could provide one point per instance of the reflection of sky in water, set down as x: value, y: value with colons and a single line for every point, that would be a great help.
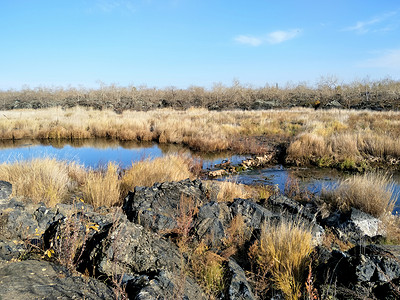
x: 89, y: 156
x: 279, y: 175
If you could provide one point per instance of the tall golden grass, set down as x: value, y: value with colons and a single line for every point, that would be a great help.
x: 51, y: 181
x: 372, y: 193
x: 328, y: 137
x: 148, y: 172
x: 282, y: 256
x: 41, y: 180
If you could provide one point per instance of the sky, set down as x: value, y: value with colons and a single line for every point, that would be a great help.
x: 162, y: 43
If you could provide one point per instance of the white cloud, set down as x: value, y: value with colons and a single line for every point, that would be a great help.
x: 275, y: 37
x: 362, y: 27
x: 249, y: 40
x: 388, y: 59
x: 280, y: 36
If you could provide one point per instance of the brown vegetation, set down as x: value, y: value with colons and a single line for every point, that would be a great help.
x: 382, y: 94
x: 281, y: 257
x: 345, y: 139
x: 370, y: 192
x: 51, y: 181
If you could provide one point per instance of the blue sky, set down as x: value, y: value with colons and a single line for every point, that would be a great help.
x: 196, y: 42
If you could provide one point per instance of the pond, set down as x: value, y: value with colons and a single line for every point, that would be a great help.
x: 95, y: 153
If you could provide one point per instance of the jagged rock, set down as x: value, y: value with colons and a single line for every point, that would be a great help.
x: 254, y: 215
x: 23, y: 221
x: 157, y: 207
x: 212, y: 220
x: 11, y: 249
x: 367, y: 270
x: 130, y: 249
x: 238, y: 287
x: 164, y: 285
x: 355, y: 225
x: 5, y: 189
x: 32, y: 279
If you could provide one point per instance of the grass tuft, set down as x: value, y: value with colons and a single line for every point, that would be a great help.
x: 102, y: 187
x: 281, y: 257
x: 41, y: 180
x: 371, y: 192
x: 148, y: 172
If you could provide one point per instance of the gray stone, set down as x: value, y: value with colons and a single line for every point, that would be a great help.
x: 5, y: 189
x: 238, y: 287
x: 254, y: 215
x: 130, y: 249
x: 157, y: 207
x: 212, y: 220
x: 166, y: 285
x: 33, y: 279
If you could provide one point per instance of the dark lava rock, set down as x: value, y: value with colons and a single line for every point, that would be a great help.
x: 130, y: 249
x: 163, y: 285
x: 157, y: 207
x: 364, y: 272
x: 5, y: 189
x: 238, y: 287
x: 32, y: 279
x: 354, y: 225
x: 254, y: 215
x: 212, y: 220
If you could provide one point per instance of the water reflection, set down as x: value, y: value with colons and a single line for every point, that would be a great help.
x: 97, y: 152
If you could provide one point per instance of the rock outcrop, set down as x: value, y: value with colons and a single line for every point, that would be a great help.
x: 135, y: 250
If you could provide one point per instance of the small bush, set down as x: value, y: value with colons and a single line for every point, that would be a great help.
x: 371, y: 192
x: 281, y: 257
x: 207, y: 267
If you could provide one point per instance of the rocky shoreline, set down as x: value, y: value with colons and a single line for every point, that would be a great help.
x: 140, y: 250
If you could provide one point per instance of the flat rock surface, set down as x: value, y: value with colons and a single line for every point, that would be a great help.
x: 32, y: 279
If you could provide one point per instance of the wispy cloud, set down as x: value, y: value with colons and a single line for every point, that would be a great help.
x: 249, y: 40
x: 275, y: 37
x: 387, y: 59
x: 371, y: 25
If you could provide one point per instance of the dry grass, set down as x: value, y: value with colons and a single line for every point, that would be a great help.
x: 371, y: 192
x: 41, y: 180
x: 228, y: 191
x: 102, y: 187
x: 333, y: 136
x: 148, y: 172
x: 207, y: 268
x: 51, y: 181
x: 282, y: 256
